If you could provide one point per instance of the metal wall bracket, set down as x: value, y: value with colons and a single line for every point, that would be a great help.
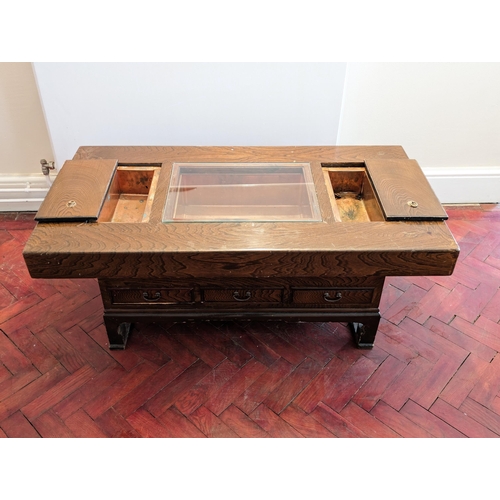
x: 47, y: 166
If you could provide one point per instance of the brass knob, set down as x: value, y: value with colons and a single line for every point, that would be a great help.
x: 413, y: 204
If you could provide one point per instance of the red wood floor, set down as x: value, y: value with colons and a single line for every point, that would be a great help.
x: 434, y: 372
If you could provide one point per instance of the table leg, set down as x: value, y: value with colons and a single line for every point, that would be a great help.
x: 117, y: 332
x: 364, y: 333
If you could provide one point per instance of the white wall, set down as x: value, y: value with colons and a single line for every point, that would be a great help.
x: 190, y: 103
x: 24, y: 140
x: 445, y: 115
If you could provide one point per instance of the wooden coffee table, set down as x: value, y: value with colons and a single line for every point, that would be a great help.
x: 265, y: 233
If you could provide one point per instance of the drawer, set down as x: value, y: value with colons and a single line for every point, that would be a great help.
x: 242, y: 295
x: 151, y: 295
x: 337, y: 297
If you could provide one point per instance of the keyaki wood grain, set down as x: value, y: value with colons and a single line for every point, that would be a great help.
x: 161, y: 250
x: 78, y: 191
x: 400, y: 184
x: 433, y: 373
x: 119, y: 250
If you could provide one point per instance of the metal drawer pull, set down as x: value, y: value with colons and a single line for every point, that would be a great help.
x: 236, y: 296
x: 156, y: 297
x: 337, y: 297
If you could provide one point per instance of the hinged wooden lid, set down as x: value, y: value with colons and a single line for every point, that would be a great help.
x: 403, y: 190
x: 78, y: 191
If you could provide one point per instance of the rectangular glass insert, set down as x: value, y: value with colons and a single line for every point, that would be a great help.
x: 265, y: 192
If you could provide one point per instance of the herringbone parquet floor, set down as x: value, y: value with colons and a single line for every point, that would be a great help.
x: 434, y: 372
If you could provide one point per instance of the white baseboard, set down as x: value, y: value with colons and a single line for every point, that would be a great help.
x: 465, y: 184
x: 22, y: 193
x: 25, y: 193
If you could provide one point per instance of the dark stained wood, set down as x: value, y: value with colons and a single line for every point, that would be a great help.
x: 486, y: 389
x: 153, y: 154
x: 90, y: 251
x: 348, y: 384
x: 115, y: 426
x: 258, y: 391
x: 397, y: 422
x: 400, y: 184
x: 178, y: 425
x: 436, y: 380
x: 17, y: 426
x: 488, y: 418
x: 203, y: 390
x: 304, y: 423
x: 49, y: 425
x: 282, y: 396
x: 143, y: 392
x: 197, y: 345
x: 25, y: 393
x: 431, y: 423
x: 58, y: 392
x: 372, y: 391
x: 334, y: 297
x: 82, y: 426
x: 150, y: 295
x: 276, y: 344
x: 78, y: 191
x: 242, y: 295
x: 460, y: 420
x: 329, y: 270
x: 87, y: 392
x: 321, y: 385
x: 259, y: 350
x: 272, y: 424
x: 210, y: 424
x: 285, y: 238
x: 115, y: 392
x: 182, y: 384
x: 370, y: 425
x: 335, y: 423
x: 241, y: 424
x: 147, y: 426
x: 235, y: 386
x: 12, y: 384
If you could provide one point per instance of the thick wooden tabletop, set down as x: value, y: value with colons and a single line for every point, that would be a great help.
x: 155, y: 249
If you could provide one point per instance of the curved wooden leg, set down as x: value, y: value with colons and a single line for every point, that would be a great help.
x: 117, y: 331
x: 364, y: 333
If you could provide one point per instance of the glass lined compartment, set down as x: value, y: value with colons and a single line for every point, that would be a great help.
x: 216, y: 192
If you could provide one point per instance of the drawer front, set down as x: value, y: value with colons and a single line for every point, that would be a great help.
x: 151, y: 295
x: 242, y: 295
x: 334, y: 297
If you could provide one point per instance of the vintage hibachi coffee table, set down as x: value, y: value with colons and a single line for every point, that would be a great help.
x: 267, y: 233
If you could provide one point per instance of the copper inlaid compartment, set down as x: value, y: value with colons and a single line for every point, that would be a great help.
x: 130, y: 195
x: 352, y: 195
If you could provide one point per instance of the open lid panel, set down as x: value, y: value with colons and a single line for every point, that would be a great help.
x: 403, y: 190
x: 78, y: 191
